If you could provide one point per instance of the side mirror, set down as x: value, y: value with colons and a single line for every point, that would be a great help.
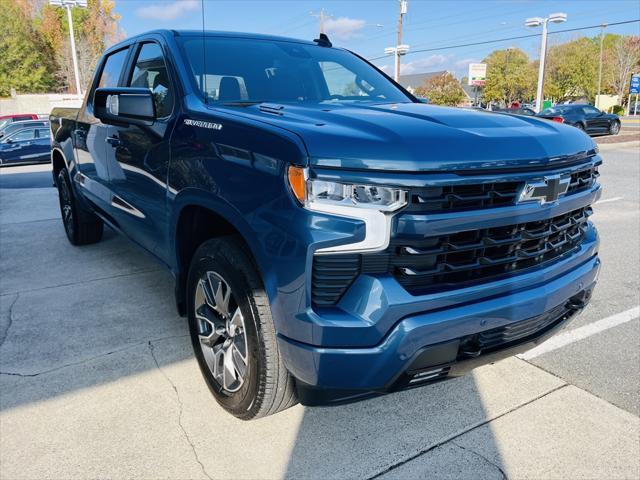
x: 8, y: 140
x: 124, y: 106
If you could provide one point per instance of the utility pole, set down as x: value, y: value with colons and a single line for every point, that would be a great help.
x: 403, y: 12
x: 322, y: 16
x: 602, y: 27
x: 68, y: 5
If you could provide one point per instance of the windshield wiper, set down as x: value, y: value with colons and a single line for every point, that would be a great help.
x: 242, y: 103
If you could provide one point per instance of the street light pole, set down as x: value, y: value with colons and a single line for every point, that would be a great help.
x: 68, y: 5
x: 536, y: 22
x: 602, y: 27
x: 543, y: 56
x: 76, y: 71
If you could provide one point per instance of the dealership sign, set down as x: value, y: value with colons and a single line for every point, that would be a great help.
x: 477, y: 73
x: 635, y: 84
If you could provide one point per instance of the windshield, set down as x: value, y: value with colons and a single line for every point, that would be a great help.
x: 238, y: 70
x: 4, y: 123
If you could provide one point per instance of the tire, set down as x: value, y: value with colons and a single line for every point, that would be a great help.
x: 614, y: 128
x: 81, y: 226
x: 580, y: 126
x: 230, y: 324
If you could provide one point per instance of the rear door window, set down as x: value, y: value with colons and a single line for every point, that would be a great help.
x: 43, y: 133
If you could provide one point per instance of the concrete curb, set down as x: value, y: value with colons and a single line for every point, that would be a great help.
x: 632, y: 143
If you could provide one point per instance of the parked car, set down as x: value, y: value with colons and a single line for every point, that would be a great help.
x: 331, y: 236
x: 6, y: 119
x: 10, y: 128
x: 517, y: 111
x: 28, y: 144
x: 585, y: 117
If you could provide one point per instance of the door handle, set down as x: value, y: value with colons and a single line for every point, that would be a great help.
x: 113, y: 141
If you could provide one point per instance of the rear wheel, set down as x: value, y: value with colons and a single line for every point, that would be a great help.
x: 614, y: 128
x: 232, y: 332
x: 580, y: 126
x: 81, y: 226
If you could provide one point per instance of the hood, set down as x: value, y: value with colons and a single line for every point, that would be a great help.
x: 420, y: 137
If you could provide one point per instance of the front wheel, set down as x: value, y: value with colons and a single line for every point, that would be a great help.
x: 614, y: 128
x: 232, y: 332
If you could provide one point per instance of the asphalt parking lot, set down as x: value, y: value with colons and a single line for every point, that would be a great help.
x: 98, y: 380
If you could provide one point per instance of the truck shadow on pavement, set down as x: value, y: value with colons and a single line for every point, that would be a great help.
x: 92, y: 349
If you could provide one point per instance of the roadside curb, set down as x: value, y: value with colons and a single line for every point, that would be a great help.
x: 631, y: 143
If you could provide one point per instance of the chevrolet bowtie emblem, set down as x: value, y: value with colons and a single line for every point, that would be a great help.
x: 547, y: 190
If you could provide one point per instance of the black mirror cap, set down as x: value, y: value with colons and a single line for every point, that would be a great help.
x: 120, y: 106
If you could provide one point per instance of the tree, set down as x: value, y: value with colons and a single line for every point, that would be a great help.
x: 510, y: 76
x: 26, y: 64
x: 625, y: 58
x: 441, y: 90
x: 95, y: 28
x: 572, y: 69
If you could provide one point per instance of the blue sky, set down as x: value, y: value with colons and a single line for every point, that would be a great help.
x: 355, y: 24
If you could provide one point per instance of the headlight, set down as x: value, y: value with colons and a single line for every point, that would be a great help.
x: 372, y: 204
x: 385, y: 199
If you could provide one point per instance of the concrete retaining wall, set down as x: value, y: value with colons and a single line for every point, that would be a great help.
x: 40, y: 104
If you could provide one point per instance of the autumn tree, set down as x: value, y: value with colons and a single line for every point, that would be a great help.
x: 510, y: 76
x: 441, y: 90
x: 95, y: 28
x: 25, y: 59
x: 624, y: 60
x: 572, y: 69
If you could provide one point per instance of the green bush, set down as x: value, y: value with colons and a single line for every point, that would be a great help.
x: 618, y: 110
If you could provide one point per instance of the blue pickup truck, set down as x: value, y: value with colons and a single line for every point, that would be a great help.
x: 331, y: 237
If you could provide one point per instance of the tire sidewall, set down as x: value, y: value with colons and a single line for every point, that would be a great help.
x: 245, y: 400
x: 614, y: 129
x: 62, y: 181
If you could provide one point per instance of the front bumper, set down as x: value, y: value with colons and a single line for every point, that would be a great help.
x: 330, y: 374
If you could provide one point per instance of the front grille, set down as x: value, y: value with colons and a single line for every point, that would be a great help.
x: 452, y: 260
x: 476, y: 196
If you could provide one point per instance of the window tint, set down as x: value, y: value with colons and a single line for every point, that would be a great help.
x: 112, y: 68
x: 254, y: 70
x: 341, y: 81
x: 590, y: 109
x: 44, y: 133
x: 22, y: 135
x: 151, y: 72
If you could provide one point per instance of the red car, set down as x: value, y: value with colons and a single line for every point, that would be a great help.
x: 16, y: 117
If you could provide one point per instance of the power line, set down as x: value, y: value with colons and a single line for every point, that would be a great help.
x: 531, y: 35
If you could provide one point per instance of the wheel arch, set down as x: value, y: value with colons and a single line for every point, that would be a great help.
x: 198, y: 219
x: 58, y: 161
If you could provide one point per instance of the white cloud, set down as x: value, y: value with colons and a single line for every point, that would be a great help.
x: 168, y: 11
x: 424, y: 65
x: 343, y: 28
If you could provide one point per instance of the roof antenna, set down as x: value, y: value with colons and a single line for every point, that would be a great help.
x: 323, y: 41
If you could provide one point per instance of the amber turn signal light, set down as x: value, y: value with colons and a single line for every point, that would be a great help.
x: 297, y: 183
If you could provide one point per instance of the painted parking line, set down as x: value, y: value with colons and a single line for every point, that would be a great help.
x: 580, y: 333
x: 607, y: 200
